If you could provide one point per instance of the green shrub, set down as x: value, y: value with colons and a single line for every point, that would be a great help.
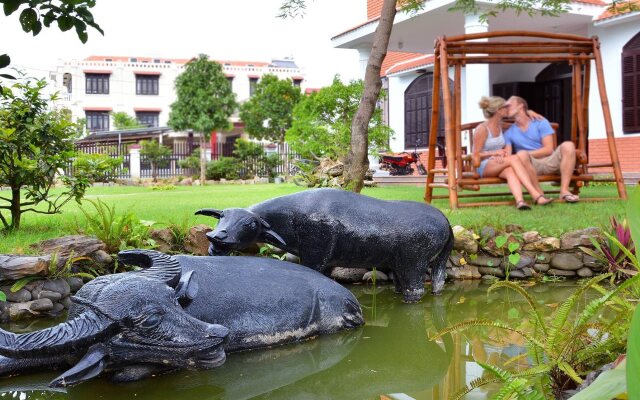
x: 97, y: 167
x: 223, y: 168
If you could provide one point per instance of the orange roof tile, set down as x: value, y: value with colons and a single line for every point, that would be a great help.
x: 620, y: 9
x: 150, y: 60
x: 396, y: 61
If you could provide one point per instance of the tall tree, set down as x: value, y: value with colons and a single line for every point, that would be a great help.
x: 267, y: 114
x: 204, y: 102
x: 357, y: 162
x: 35, y: 144
x: 157, y: 154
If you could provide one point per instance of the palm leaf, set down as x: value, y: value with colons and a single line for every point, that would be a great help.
x: 567, y: 369
x: 519, y: 289
x: 474, y: 384
x: 623, y: 248
x: 596, y: 304
x: 484, y: 322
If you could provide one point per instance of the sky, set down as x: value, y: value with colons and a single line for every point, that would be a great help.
x: 244, y: 30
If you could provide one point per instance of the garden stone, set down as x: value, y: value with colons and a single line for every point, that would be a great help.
x: 464, y: 240
x: 466, y: 272
x: 585, y: 272
x: 531, y: 236
x: 527, y: 272
x: 13, y: 267
x: 196, y: 241
x: 164, y: 239
x: 46, y: 294
x: 21, y: 296
x: 78, y: 245
x: 348, y: 275
x: 491, y: 271
x: 543, y: 258
x: 486, y: 261
x: 487, y: 232
x: 517, y: 274
x: 489, y: 278
x: 57, y: 309
x: 29, y: 309
x: 566, y: 262
x: 449, y: 271
x: 513, y: 228
x: 456, y: 258
x: 186, y: 182
x: 544, y: 244
x: 57, y: 285
x: 380, y: 276
x: 525, y: 261
x: 102, y: 257
x: 580, y: 237
x: 560, y: 272
x: 66, y: 302
x: 40, y: 305
x: 291, y: 258
x: 591, y: 262
x: 491, y: 248
x: 541, y: 267
x: 75, y: 283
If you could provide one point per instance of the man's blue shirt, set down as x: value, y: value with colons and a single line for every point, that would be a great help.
x: 531, y: 139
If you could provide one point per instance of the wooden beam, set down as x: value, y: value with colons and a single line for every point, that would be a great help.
x: 515, y: 60
x: 449, y: 125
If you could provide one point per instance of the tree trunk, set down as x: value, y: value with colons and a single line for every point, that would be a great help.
x: 357, y: 162
x: 16, y: 212
x: 154, y: 172
x: 203, y: 158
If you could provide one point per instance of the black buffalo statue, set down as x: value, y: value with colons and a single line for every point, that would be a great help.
x: 181, y: 312
x: 331, y: 227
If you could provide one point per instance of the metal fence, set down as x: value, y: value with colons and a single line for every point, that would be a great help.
x: 113, y: 149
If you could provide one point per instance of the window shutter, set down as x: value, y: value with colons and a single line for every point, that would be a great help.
x: 631, y: 86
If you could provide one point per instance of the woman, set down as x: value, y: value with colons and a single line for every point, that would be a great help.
x: 489, y: 150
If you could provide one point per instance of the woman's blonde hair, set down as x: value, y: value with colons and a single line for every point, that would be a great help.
x: 491, y: 105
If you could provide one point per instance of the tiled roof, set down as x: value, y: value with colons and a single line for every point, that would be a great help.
x: 620, y: 9
x: 396, y: 62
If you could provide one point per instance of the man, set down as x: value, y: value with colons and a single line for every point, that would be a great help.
x: 532, y: 141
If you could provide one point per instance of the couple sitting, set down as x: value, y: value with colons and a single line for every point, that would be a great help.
x: 530, y: 137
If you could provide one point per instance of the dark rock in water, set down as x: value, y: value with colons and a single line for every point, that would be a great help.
x: 585, y: 272
x: 560, y: 272
x: 516, y: 274
x: 541, y: 268
x: 380, y: 276
x: 41, y: 305
x: 525, y: 262
x: 47, y: 294
x: 66, y: 302
x: 57, y: 309
x: 21, y: 296
x: 486, y: 261
x: 348, y: 275
x: 57, y: 285
x: 492, y: 271
x: 75, y: 283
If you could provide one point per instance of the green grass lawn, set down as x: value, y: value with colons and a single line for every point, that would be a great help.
x: 178, y: 205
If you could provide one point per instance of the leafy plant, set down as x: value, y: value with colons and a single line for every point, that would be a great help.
x: 246, y: 151
x: 223, y: 168
x: 617, y: 252
x: 156, y: 154
x: 271, y: 251
x: 97, y: 167
x: 511, y: 259
x: 122, y: 120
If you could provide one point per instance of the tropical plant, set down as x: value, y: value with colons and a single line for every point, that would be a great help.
x: 249, y: 154
x: 510, y: 259
x: 122, y: 120
x: 35, y: 143
x: 223, y: 168
x: 97, y: 167
x: 156, y: 154
x: 192, y: 162
x: 204, y: 102
x: 617, y: 251
x: 564, y: 347
x: 269, y: 164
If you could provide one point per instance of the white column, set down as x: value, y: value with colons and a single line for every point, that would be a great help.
x: 134, y: 161
x: 475, y: 76
x: 363, y: 58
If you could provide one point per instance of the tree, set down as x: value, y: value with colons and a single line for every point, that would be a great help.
x: 357, y: 162
x: 267, y: 114
x: 122, y: 120
x: 38, y: 13
x: 322, y: 122
x: 204, y: 102
x: 35, y: 144
x: 156, y: 154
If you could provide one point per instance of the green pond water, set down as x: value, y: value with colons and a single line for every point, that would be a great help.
x: 391, y: 357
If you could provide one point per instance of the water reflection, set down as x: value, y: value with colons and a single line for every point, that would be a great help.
x: 390, y: 356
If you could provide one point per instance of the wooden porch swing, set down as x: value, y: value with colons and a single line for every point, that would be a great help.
x: 457, y: 51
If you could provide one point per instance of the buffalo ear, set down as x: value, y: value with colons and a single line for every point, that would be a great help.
x: 90, y: 366
x: 210, y: 212
x: 187, y: 289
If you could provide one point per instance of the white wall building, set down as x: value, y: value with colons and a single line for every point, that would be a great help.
x: 408, y: 70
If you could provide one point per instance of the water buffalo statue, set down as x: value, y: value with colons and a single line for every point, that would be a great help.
x: 331, y: 227
x: 181, y: 312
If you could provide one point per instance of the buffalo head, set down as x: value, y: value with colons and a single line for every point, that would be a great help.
x: 238, y: 229
x: 127, y: 323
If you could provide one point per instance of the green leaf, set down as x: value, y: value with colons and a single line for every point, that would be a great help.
x: 513, y: 313
x: 81, y: 30
x: 633, y: 355
x: 28, y: 18
x: 65, y: 23
x: 20, y: 283
x: 7, y: 76
x: 3, y: 296
x: 501, y: 241
x: 609, y: 385
x: 514, y: 258
x: 513, y: 246
x: 5, y: 60
x: 10, y: 6
x: 633, y: 216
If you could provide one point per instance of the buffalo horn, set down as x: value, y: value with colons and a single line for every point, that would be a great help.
x: 156, y: 265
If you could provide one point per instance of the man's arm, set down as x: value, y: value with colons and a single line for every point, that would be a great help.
x: 545, y: 150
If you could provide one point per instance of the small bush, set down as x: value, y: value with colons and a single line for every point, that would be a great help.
x: 223, y: 168
x: 98, y: 167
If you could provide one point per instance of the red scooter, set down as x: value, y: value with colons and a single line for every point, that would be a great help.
x: 401, y: 164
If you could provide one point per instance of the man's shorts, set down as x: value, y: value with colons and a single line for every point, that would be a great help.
x: 548, y: 165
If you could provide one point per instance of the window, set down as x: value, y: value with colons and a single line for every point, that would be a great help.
x: 252, y: 85
x: 297, y: 82
x: 148, y: 118
x: 631, y: 85
x: 230, y: 80
x: 97, y: 83
x: 97, y: 121
x: 147, y: 84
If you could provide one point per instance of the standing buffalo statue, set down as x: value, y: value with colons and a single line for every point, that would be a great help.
x: 331, y: 227
x: 181, y: 312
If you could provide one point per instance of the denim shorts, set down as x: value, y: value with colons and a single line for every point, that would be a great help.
x: 482, y: 166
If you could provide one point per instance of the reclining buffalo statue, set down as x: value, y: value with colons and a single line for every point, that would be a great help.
x: 331, y: 227
x: 180, y: 312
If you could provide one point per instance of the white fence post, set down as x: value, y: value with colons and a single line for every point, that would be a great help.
x: 134, y: 161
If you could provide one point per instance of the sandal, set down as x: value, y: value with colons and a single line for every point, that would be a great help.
x: 522, y: 205
x: 570, y: 198
x: 544, y: 201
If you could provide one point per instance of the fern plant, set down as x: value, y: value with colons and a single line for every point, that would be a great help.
x: 563, y: 347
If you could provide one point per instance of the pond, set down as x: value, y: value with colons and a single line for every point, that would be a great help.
x: 390, y: 358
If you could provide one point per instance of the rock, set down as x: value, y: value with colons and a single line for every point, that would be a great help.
x: 57, y: 308
x: 528, y: 272
x: 457, y: 259
x: 491, y: 248
x: 513, y: 228
x: 186, y: 182
x: 592, y: 262
x: 544, y: 244
x: 21, y: 296
x: 464, y: 240
x: 196, y: 241
x: 487, y: 232
x: 291, y: 258
x: 517, y: 274
x: 543, y: 258
x: 46, y: 294
x: 13, y: 267
x: 580, y: 237
x: 585, y: 272
x: 102, y: 257
x: 164, y: 239
x: 380, y: 276
x: 560, y: 272
x: 450, y: 274
x: 531, y: 236
x: 79, y: 245
x: 486, y: 261
x: 75, y: 283
x: 66, y: 302
x: 466, y: 272
x: 525, y: 261
x: 541, y: 267
x: 566, y: 262
x: 491, y: 271
x: 348, y: 275
x: 57, y: 285
x: 40, y: 305
x: 29, y: 309
x: 489, y: 278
